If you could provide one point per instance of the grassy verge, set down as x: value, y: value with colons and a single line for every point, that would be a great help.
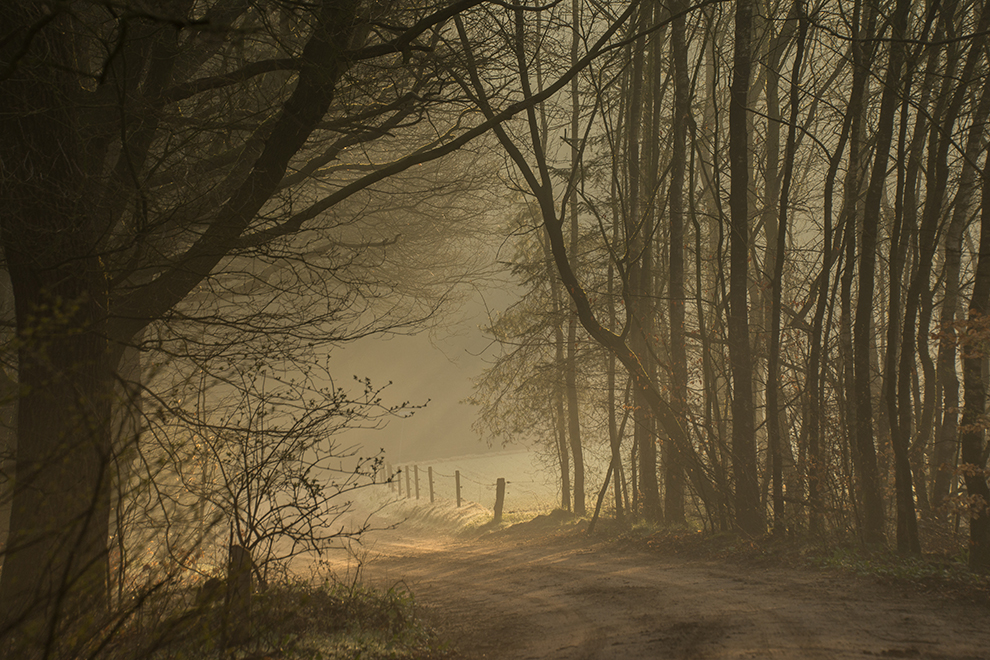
x: 291, y: 621
x: 935, y: 573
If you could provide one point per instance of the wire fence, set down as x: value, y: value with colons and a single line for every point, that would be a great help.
x: 474, y: 479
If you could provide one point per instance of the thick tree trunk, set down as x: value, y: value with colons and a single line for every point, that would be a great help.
x: 55, y: 568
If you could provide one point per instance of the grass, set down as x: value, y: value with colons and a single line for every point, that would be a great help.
x: 291, y: 621
x: 931, y: 572
x: 936, y: 572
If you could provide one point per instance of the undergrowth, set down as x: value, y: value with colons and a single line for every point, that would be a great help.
x: 934, y: 571
x: 293, y: 621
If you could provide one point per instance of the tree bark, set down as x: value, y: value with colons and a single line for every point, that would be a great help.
x: 873, y: 514
x: 573, y: 410
x: 639, y: 282
x: 973, y: 452
x: 749, y: 516
x: 673, y: 470
x: 774, y: 409
x: 964, y: 210
x: 55, y: 570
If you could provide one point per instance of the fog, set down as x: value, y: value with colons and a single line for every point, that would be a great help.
x: 434, y: 369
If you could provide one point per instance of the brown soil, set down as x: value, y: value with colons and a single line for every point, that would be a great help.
x: 522, y: 594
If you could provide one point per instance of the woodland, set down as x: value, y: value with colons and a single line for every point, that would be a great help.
x: 752, y: 241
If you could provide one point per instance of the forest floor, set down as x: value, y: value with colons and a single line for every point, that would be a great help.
x: 543, y: 589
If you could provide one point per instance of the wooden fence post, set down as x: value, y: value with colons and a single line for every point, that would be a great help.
x: 429, y: 471
x: 499, y: 499
x: 416, y: 471
x: 407, y: 482
x: 457, y: 486
x: 237, y: 610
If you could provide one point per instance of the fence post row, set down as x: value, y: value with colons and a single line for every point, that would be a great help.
x: 412, y: 485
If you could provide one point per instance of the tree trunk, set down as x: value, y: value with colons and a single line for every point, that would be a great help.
x: 55, y: 567
x: 774, y: 411
x: 964, y: 209
x: 903, y: 232
x: 573, y: 410
x: 973, y: 452
x: 749, y: 516
x: 559, y: 392
x: 640, y: 281
x: 865, y: 448
x: 673, y: 470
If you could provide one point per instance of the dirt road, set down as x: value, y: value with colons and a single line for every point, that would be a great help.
x: 520, y: 596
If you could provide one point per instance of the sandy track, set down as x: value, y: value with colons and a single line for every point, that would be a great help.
x: 522, y: 597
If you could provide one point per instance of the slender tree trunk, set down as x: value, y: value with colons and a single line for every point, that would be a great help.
x: 615, y: 436
x: 558, y: 315
x: 563, y: 453
x: 873, y: 514
x: 964, y: 209
x: 898, y: 363
x: 573, y: 404
x: 774, y: 412
x: 574, y: 415
x: 559, y: 394
x: 749, y: 516
x: 973, y: 445
x: 815, y: 377
x: 773, y: 222
x: 937, y: 174
x: 673, y: 471
x: 640, y: 277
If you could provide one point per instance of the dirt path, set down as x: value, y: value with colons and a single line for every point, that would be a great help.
x: 521, y: 596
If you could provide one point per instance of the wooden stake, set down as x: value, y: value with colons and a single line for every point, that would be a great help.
x: 457, y: 486
x: 499, y: 499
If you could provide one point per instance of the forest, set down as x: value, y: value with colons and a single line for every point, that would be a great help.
x: 752, y: 243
